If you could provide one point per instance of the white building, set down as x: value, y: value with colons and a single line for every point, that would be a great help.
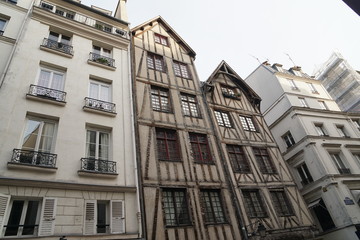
x: 67, y: 159
x: 319, y: 142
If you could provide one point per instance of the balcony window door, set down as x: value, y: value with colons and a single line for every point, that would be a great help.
x: 100, y: 91
x: 51, y: 79
x: 59, y: 38
x: 102, y: 51
x: 97, y: 145
x: 39, y: 135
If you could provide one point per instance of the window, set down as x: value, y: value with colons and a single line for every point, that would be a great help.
x: 160, y: 99
x: 247, y: 123
x: 200, y: 148
x: 61, y: 38
x: 47, y: 6
x: 167, y: 144
x: 104, y: 217
x: 292, y: 84
x: 53, y: 79
x: 189, y: 105
x: 312, y: 88
x: 264, y: 160
x: 238, y: 159
x: 322, y: 214
x: 303, y: 102
x: 229, y: 92
x: 320, y: 129
x: 289, y: 140
x: 212, y: 207
x: 100, y: 91
x: 101, y: 51
x: 24, y: 216
x: 223, y: 118
x: 175, y: 207
x: 304, y: 174
x: 103, y: 26
x: 323, y: 105
x: 356, y: 123
x: 2, y: 26
x: 297, y: 73
x: 161, y: 39
x: 339, y: 163
x: 181, y: 70
x: 341, y: 131
x: 97, y: 144
x: 155, y: 62
x: 281, y: 203
x: 65, y: 13
x: 254, y: 204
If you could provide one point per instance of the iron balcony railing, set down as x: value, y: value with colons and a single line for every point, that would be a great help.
x: 98, y: 166
x: 58, y: 46
x: 48, y: 93
x: 100, y: 105
x: 94, y: 57
x: 344, y: 170
x: 33, y: 158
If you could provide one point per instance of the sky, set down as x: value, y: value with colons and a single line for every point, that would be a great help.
x: 246, y: 33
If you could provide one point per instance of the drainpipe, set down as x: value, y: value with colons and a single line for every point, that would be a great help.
x: 3, y: 75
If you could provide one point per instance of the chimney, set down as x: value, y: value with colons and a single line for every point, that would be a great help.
x: 120, y: 12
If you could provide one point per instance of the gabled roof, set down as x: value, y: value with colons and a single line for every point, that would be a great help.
x: 169, y: 30
x: 224, y: 68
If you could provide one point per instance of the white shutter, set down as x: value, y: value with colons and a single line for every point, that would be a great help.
x: 117, y: 219
x: 90, y: 217
x: 4, y: 203
x: 47, y: 219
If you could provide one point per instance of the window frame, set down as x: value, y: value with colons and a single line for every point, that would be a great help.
x: 190, y: 106
x: 196, y: 146
x: 168, y: 139
x: 154, y: 61
x: 281, y: 203
x: 264, y: 160
x: 161, y: 39
x: 303, y: 102
x: 223, y: 118
x: 323, y: 105
x: 288, y: 139
x: 158, y: 99
x: 171, y: 201
x: 50, y: 82
x: 98, y: 132
x: 6, y: 21
x: 238, y: 158
x: 100, y: 85
x: 247, y: 123
x: 254, y: 203
x: 304, y: 173
x: 320, y: 130
x: 341, y: 130
x: 212, y: 204
x: 182, y: 70
x: 292, y: 84
x: 339, y: 162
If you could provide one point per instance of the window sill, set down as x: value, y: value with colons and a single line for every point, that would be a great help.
x: 192, y: 116
x: 213, y: 224
x: 45, y: 99
x: 101, y: 65
x: 205, y: 163
x: 180, y: 226
x: 97, y: 174
x: 168, y: 160
x: 162, y: 111
x: 22, y: 166
x: 99, y: 111
x: 68, y: 55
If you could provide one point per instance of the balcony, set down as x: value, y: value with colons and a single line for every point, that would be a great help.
x: 47, y: 94
x: 102, y: 60
x: 57, y: 46
x: 92, y: 104
x: 98, y: 166
x: 33, y: 158
x: 344, y: 171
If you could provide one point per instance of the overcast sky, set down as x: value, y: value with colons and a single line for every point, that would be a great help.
x: 242, y: 31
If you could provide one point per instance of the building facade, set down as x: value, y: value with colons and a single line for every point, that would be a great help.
x: 319, y: 142
x: 67, y: 156
x: 263, y: 186
x: 341, y: 81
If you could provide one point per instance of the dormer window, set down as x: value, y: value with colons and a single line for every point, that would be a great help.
x: 278, y: 67
x: 161, y: 39
x: 47, y: 6
x: 229, y: 92
x: 65, y: 13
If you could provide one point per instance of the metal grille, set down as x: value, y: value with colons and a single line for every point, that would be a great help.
x: 100, y: 105
x: 33, y: 158
x: 94, y: 57
x: 96, y: 165
x: 48, y: 93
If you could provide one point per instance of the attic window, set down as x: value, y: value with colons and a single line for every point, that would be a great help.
x: 161, y: 39
x: 229, y: 92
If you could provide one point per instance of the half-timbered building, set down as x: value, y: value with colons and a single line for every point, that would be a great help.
x: 263, y: 185
x: 186, y: 194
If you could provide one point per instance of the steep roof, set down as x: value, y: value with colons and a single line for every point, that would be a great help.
x: 224, y: 68
x: 169, y: 30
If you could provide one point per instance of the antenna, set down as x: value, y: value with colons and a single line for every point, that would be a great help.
x: 255, y: 58
x: 290, y: 58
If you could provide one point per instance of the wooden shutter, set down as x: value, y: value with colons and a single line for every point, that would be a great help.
x: 4, y: 203
x: 47, y: 219
x: 90, y: 217
x: 117, y: 218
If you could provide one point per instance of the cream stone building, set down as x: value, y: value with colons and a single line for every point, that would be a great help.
x: 67, y: 155
x: 320, y: 143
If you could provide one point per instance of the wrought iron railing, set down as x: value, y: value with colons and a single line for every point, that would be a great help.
x: 58, y: 46
x: 99, y: 166
x: 100, y: 105
x: 94, y: 57
x: 28, y: 229
x: 33, y: 158
x: 47, y: 93
x: 344, y: 170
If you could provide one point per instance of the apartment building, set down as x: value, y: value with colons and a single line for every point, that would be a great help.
x: 319, y: 142
x: 67, y: 156
x: 264, y: 188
